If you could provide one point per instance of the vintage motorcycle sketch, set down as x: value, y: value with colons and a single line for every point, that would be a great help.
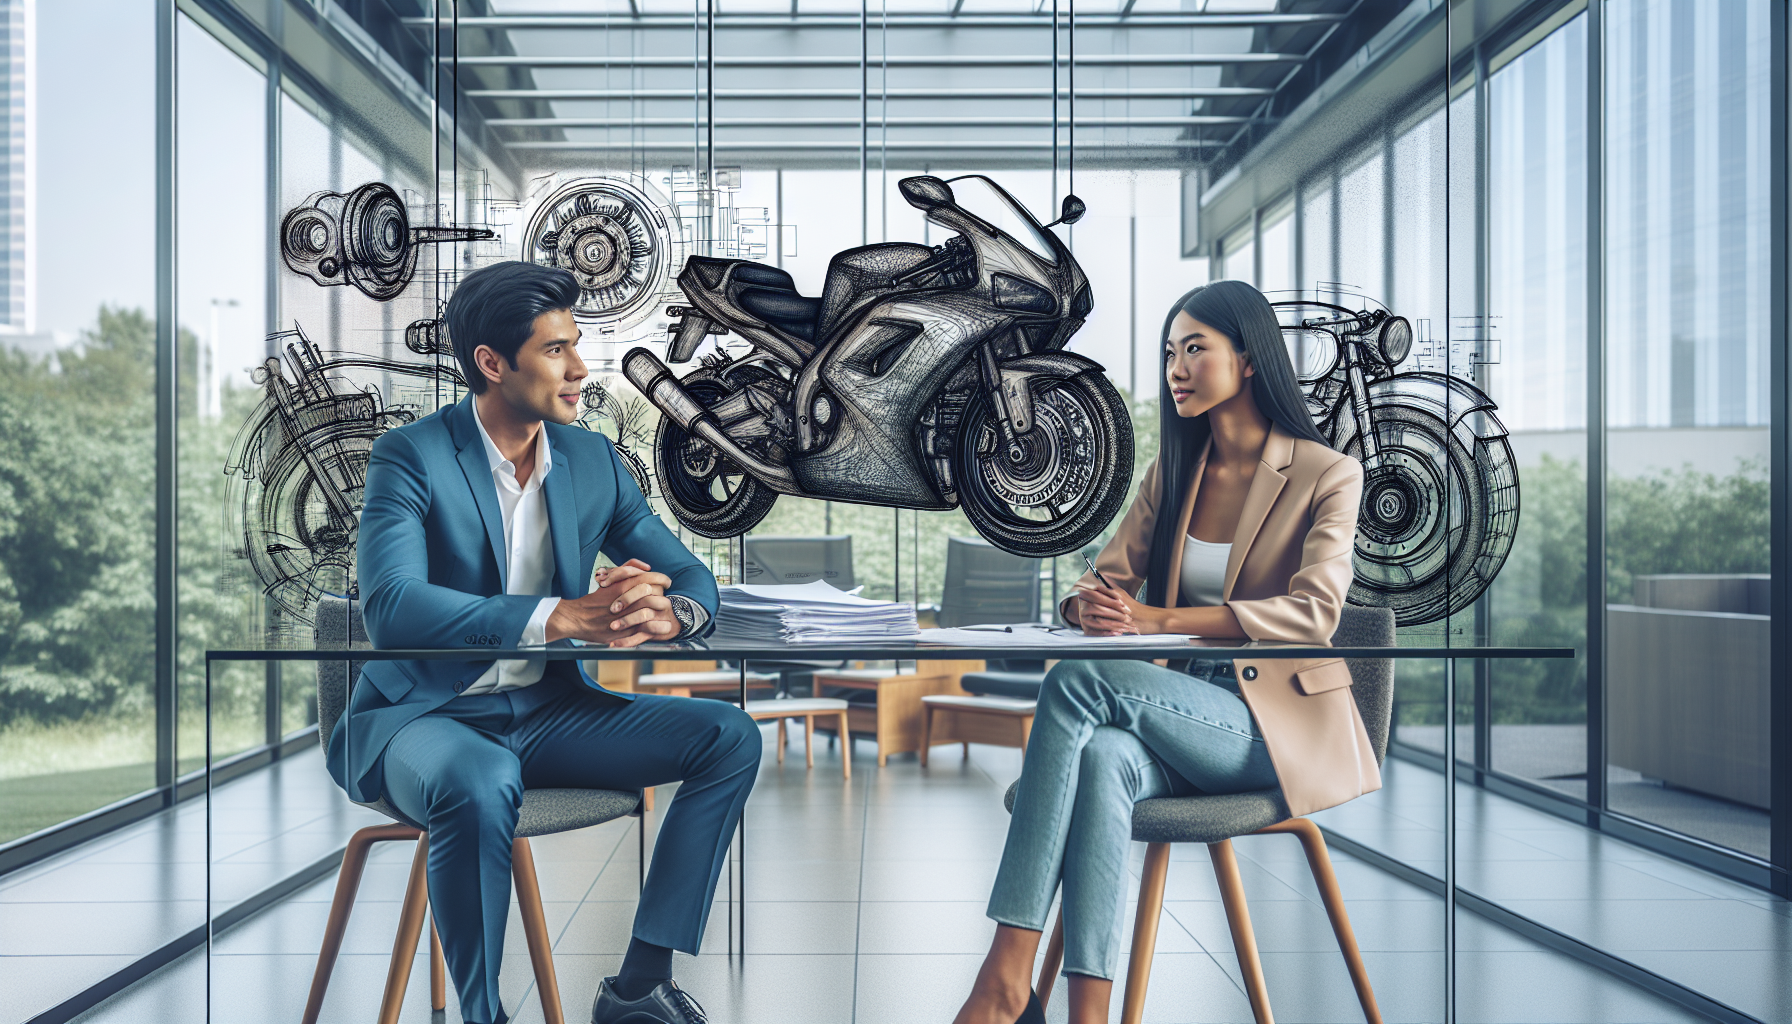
x: 299, y: 465
x: 922, y: 377
x: 1440, y: 485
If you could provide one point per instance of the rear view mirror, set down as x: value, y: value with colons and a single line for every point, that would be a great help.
x: 925, y: 192
x: 1072, y: 210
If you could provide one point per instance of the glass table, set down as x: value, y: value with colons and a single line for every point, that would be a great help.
x: 744, y: 654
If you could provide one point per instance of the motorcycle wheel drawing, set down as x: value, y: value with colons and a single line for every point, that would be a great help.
x: 923, y: 377
x: 598, y: 403
x: 299, y: 466
x: 1440, y: 485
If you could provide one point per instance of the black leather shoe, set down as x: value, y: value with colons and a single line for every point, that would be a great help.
x: 1034, y: 1013
x: 666, y: 1004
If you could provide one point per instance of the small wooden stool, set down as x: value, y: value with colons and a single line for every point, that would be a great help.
x: 966, y: 719
x: 805, y: 708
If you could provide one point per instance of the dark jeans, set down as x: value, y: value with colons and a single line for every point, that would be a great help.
x: 461, y: 771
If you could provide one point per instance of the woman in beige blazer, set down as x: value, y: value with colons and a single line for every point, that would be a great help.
x: 1242, y: 529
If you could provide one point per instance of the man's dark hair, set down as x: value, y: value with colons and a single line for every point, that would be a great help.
x: 496, y: 306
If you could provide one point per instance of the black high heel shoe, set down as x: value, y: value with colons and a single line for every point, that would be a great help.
x: 1034, y: 1013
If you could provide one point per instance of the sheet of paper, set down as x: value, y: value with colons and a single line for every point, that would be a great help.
x: 1029, y: 634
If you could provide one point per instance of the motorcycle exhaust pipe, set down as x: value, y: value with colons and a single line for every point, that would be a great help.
x: 655, y: 381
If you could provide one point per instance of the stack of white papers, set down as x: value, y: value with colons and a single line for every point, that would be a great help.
x: 809, y: 613
x: 1039, y: 634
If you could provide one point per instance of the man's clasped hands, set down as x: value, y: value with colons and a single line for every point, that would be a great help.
x: 629, y: 607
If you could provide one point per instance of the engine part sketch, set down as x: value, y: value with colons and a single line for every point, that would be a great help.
x: 1440, y: 484
x: 299, y: 463
x: 618, y: 236
x: 362, y: 238
x: 628, y: 427
x: 922, y: 377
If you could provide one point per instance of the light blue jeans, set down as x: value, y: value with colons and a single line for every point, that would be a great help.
x: 1108, y: 734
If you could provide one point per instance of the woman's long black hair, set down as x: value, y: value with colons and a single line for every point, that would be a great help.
x: 1241, y: 313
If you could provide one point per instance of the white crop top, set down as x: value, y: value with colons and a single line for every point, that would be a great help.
x: 1203, y: 572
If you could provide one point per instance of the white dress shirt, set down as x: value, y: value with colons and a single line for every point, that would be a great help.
x: 529, y: 553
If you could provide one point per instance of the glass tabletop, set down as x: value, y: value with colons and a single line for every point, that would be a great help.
x: 771, y: 650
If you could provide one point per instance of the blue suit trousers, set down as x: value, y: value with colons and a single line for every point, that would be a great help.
x: 460, y: 771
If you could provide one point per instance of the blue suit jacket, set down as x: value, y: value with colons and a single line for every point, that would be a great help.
x: 432, y: 566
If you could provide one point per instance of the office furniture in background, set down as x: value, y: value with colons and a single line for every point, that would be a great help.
x: 787, y: 560
x: 985, y: 584
x: 888, y: 703
x: 969, y: 718
x: 1687, y: 684
x: 805, y: 708
x: 544, y: 812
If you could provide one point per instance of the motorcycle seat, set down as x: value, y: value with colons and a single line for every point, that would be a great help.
x: 769, y: 294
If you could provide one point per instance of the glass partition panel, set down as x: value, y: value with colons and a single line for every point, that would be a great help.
x: 77, y: 411
x: 1688, y: 418
x: 222, y: 287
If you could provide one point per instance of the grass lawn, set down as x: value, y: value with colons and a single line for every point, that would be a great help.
x: 51, y: 773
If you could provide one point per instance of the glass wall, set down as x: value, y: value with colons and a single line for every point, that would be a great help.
x: 77, y: 410
x: 1572, y: 204
x: 1688, y: 418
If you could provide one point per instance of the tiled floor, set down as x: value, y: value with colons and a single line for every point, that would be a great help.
x: 866, y: 906
x: 1730, y: 942
x: 70, y: 921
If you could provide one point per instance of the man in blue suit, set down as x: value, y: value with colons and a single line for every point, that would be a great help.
x: 479, y: 529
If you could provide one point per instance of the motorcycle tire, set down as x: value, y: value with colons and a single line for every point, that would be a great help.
x: 708, y: 494
x: 1080, y: 450
x: 1437, y: 517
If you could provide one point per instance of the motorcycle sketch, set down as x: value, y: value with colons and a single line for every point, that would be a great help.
x: 923, y: 377
x: 300, y: 464
x: 1440, y: 485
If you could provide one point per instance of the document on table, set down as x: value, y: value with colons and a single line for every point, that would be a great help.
x: 810, y: 613
x: 1039, y: 634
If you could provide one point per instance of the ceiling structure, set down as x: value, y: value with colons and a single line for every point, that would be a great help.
x: 899, y: 82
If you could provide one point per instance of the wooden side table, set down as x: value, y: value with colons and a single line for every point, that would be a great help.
x: 896, y: 719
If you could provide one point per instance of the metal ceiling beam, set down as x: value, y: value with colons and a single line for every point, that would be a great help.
x: 1005, y: 60
x: 1140, y: 92
x: 897, y: 19
x: 1183, y: 121
x: 768, y: 145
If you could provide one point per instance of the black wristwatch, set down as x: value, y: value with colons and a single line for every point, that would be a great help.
x: 687, y: 620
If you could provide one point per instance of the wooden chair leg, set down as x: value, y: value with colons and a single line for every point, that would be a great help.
x: 783, y: 738
x: 1054, y: 961
x: 1320, y: 861
x: 646, y: 799
x: 1144, y: 931
x: 535, y: 930
x: 809, y: 741
x: 926, y: 732
x: 845, y: 752
x: 438, y: 969
x: 410, y: 929
x: 1244, y: 939
x: 348, y: 882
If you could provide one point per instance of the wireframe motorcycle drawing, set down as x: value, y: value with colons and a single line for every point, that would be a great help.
x: 922, y: 377
x: 300, y: 462
x: 1440, y: 485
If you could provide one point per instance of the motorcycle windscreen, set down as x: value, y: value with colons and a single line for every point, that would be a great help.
x: 980, y: 197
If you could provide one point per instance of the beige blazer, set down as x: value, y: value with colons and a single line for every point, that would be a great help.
x: 1285, y: 581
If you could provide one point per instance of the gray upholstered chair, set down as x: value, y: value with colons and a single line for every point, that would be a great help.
x: 544, y: 812
x: 1217, y: 820
x: 986, y: 584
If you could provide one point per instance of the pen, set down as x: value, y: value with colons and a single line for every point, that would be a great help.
x: 1097, y: 572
